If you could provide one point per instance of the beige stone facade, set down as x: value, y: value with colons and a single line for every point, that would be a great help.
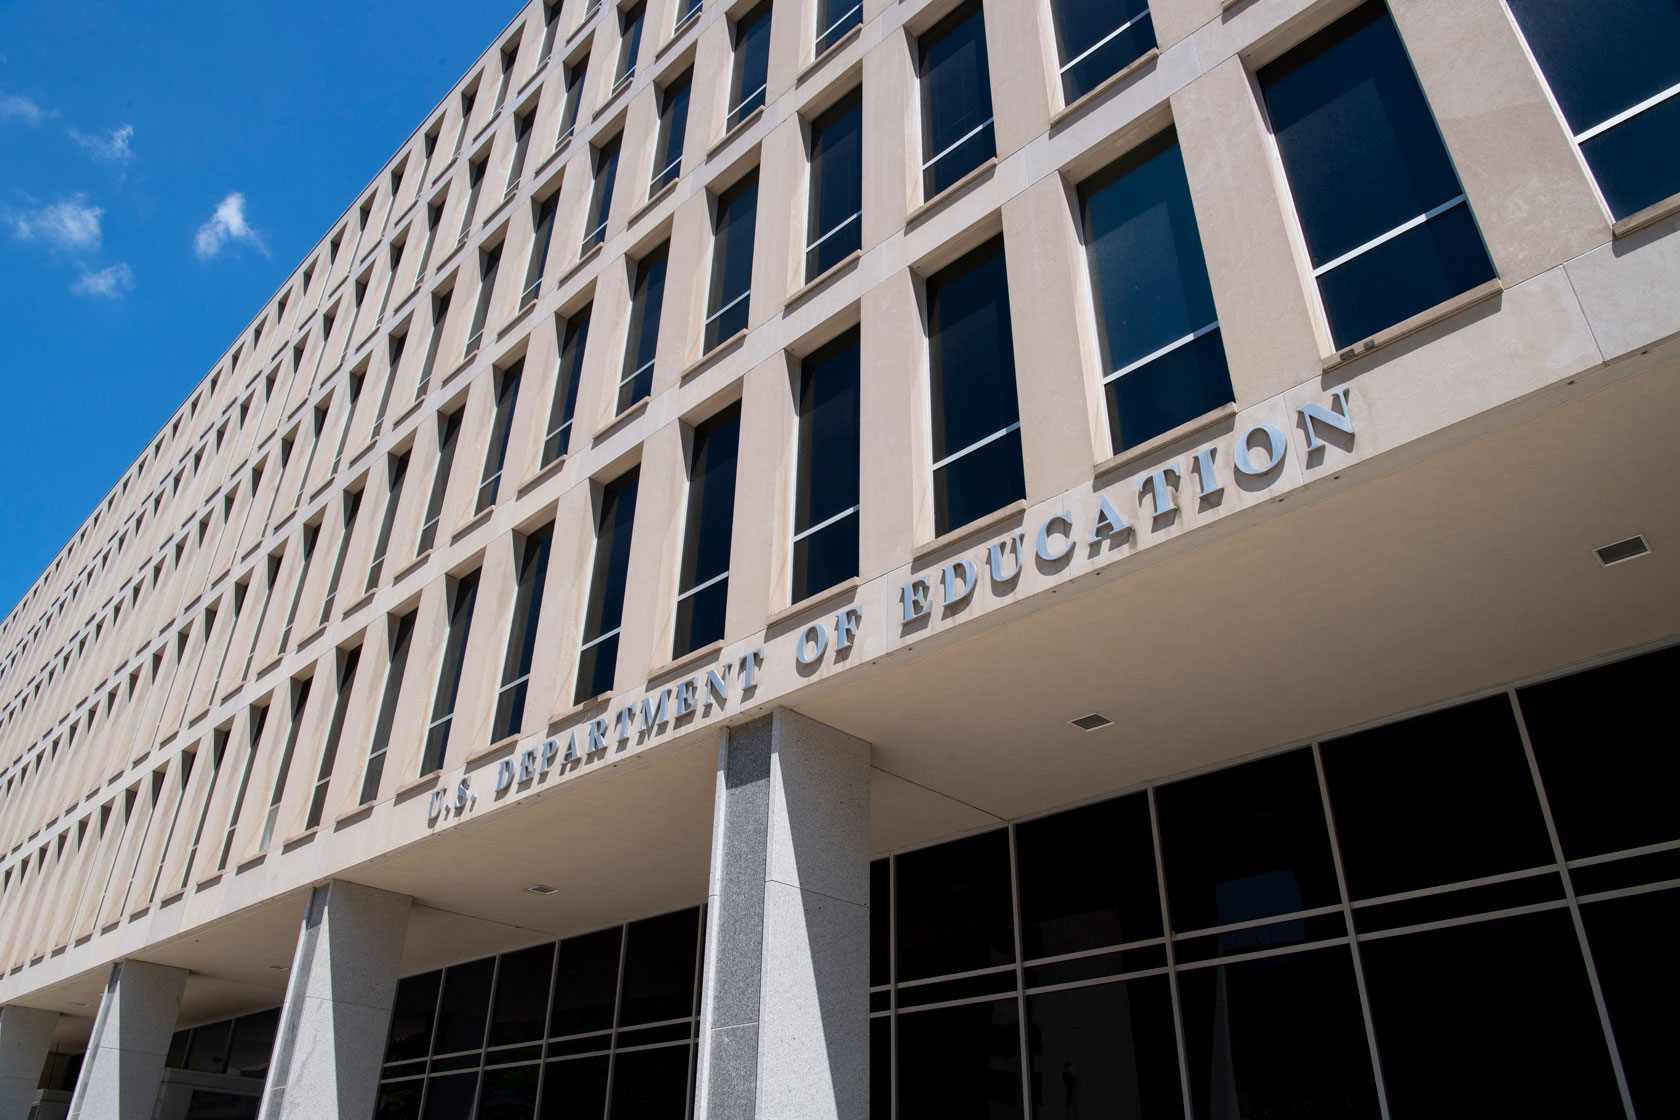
x: 1442, y: 549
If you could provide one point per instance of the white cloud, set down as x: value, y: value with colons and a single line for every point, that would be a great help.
x: 111, y: 282
x: 225, y: 225
x: 69, y: 223
x: 113, y: 148
x: 14, y: 107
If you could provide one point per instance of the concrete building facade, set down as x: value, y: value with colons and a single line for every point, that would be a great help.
x: 801, y: 559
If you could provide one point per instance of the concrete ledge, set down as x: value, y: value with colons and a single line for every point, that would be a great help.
x: 542, y: 475
x: 1652, y: 214
x: 620, y: 420
x: 827, y: 53
x: 654, y: 200
x: 729, y: 137
x: 811, y: 602
x: 692, y: 657
x: 1166, y: 439
x: 1100, y: 90
x: 973, y: 528
x: 714, y: 355
x: 839, y: 268
x: 950, y: 193
x: 1443, y: 310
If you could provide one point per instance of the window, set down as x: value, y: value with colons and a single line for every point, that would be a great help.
x: 393, y: 362
x: 310, y: 534
x: 629, y: 43
x: 259, y: 717
x: 510, y: 58
x: 521, y: 144
x: 647, y: 297
x: 475, y: 180
x: 352, y: 506
x: 956, y: 99
x: 1616, y: 79
x: 703, y: 584
x: 1096, y: 39
x: 825, y: 515
x: 501, y: 431
x: 300, y: 702
x: 396, y: 471
x: 1163, y: 358
x: 522, y: 637
x: 434, y: 218
x: 834, y: 19
x: 551, y: 25
x: 400, y: 633
x: 574, y: 98
x: 673, y: 122
x: 752, y: 65
x: 464, y: 595
x: 574, y: 335
x: 393, y: 262
x: 489, y: 264
x: 1387, y: 227
x: 449, y: 431
x: 835, y: 229
x: 467, y: 99
x: 732, y: 260
x: 542, y: 233
x: 599, y: 654
x: 600, y: 197
x: 977, y: 465
x: 347, y: 663
x: 219, y: 741
x: 440, y: 314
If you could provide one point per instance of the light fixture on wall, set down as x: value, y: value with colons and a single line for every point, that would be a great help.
x: 1628, y: 549
x: 1091, y: 722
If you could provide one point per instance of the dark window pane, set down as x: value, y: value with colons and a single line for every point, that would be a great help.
x: 647, y: 298
x: 985, y: 479
x: 411, y: 1017
x: 1637, y: 163
x: 1632, y: 947
x: 1092, y: 44
x: 399, y: 1100
x: 732, y: 261
x: 1245, y: 843
x: 706, y: 540
x: 1106, y: 1050
x: 659, y: 968
x: 1363, y: 157
x: 836, y: 227
x: 829, y: 440
x: 825, y: 558
x: 575, y: 1090
x: 956, y: 99
x: 521, y: 1005
x: 880, y: 922
x: 1501, y: 1011
x: 600, y: 199
x: 253, y: 1044
x: 1151, y: 288
x: 451, y: 1097
x: 586, y: 983
x: 954, y: 907
x: 651, y: 1084
x: 834, y: 19
x: 880, y: 1069
x: 961, y: 1061
x: 1597, y: 737
x: 466, y: 997
x: 522, y: 635
x: 509, y: 1093
x: 209, y: 1049
x: 1627, y: 51
x: 573, y: 340
x: 1280, y: 1036
x: 597, y: 666
x: 673, y: 123
x: 1436, y: 799
x: 606, y: 591
x: 1088, y: 878
x: 449, y: 673
x: 752, y: 64
x: 1424, y: 266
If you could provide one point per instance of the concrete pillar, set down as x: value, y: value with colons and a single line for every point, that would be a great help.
x: 784, y: 1026
x: 26, y: 1035
x: 331, y: 1037
x: 124, y: 1063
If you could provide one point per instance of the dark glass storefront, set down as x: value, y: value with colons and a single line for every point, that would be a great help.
x: 1460, y: 913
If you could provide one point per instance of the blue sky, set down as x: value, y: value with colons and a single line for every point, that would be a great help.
x: 125, y: 127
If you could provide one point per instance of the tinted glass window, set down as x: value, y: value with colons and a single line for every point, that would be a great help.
x: 956, y: 99
x: 574, y: 337
x: 586, y: 983
x: 1246, y: 843
x: 1104, y: 1050
x: 834, y: 19
x: 451, y: 1097
x: 703, y: 586
x: 606, y: 590
x: 1279, y: 1036
x: 521, y: 1005
x: 1435, y: 799
x: 673, y: 122
x: 1599, y: 67
x: 961, y: 1061
x: 976, y: 416
x: 509, y: 1093
x: 836, y: 225
x: 1364, y: 159
x: 954, y: 907
x: 1163, y: 356
x: 651, y: 1084
x: 732, y: 260
x: 1596, y: 738
x: 1069, y: 904
x: 522, y: 635
x: 659, y: 968
x: 647, y: 300
x: 600, y: 198
x: 1099, y: 38
x: 825, y: 521
x: 575, y: 1088
x: 1631, y: 941
x: 1450, y: 1006
x: 411, y: 1017
x: 466, y: 997
x: 752, y: 64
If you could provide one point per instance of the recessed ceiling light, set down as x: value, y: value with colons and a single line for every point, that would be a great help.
x: 540, y: 889
x: 1622, y: 550
x: 1091, y: 722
